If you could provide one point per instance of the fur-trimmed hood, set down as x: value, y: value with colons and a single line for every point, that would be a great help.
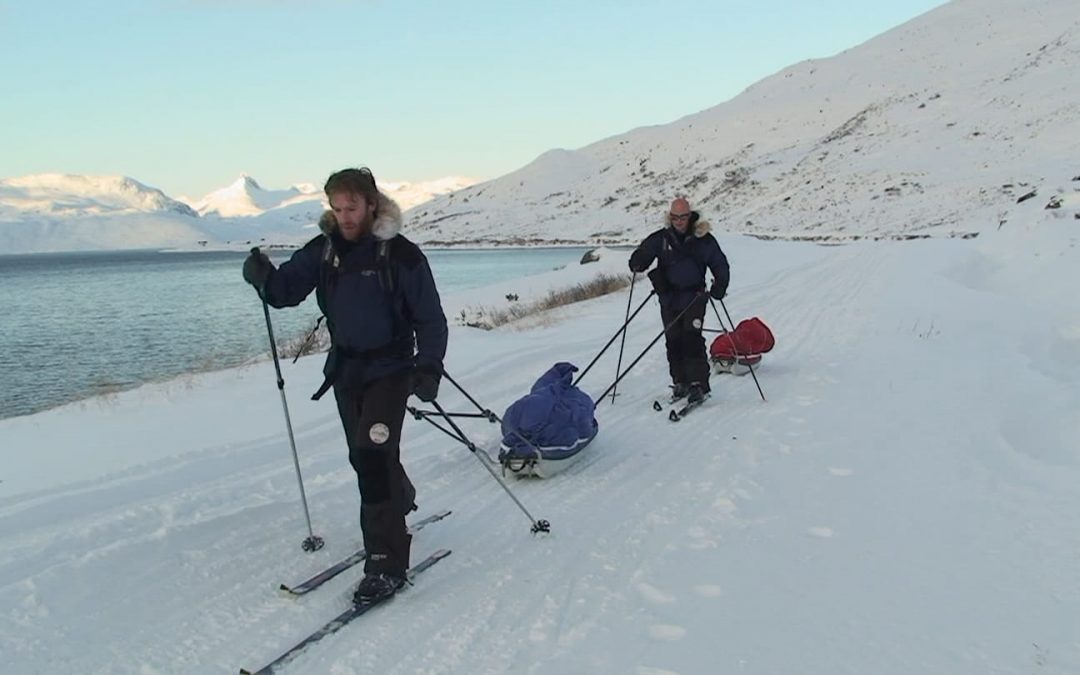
x: 701, y: 227
x: 388, y: 222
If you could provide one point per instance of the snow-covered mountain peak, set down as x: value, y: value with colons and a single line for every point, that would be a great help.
x: 246, y: 182
x: 245, y: 197
x: 58, y: 194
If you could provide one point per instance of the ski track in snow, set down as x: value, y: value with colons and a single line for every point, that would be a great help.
x: 658, y: 534
x: 559, y: 602
x: 158, y: 527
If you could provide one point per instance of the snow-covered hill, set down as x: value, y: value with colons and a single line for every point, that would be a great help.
x: 57, y: 212
x: 75, y: 195
x: 936, y: 128
x: 244, y: 212
x: 245, y: 197
x: 60, y: 212
x: 973, y: 106
x: 408, y: 195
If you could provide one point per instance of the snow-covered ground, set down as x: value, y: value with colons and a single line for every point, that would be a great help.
x: 904, y: 502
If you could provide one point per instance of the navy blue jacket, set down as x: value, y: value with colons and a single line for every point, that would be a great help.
x: 374, y: 330
x: 682, y: 261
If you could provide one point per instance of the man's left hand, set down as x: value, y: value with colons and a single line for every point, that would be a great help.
x: 717, y: 291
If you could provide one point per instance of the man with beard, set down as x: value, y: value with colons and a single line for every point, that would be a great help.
x: 388, y: 339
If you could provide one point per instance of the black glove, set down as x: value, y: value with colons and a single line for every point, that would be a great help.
x: 257, y: 269
x: 659, y: 281
x: 425, y: 383
x: 718, y: 291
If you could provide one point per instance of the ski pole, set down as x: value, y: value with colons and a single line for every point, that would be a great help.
x: 656, y: 339
x: 737, y: 356
x: 622, y: 344
x: 537, y: 525
x: 312, y: 542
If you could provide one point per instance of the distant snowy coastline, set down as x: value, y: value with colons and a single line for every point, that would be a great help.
x: 64, y: 212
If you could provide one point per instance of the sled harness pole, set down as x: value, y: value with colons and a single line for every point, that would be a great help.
x: 308, y: 339
x: 485, y: 413
x: 537, y: 525
x: 656, y: 339
x: 614, y: 337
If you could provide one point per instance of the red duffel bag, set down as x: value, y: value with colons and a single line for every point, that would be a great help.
x: 742, y: 347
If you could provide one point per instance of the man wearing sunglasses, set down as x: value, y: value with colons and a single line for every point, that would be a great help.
x: 683, y: 250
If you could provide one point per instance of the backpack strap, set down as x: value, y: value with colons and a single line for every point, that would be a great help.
x: 328, y: 275
x: 328, y: 270
x: 382, y: 267
x: 388, y: 282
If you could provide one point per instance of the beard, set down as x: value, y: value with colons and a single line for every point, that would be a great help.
x: 353, y: 232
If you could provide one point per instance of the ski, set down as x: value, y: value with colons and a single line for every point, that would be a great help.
x: 342, y: 619
x: 679, y: 413
x: 659, y: 405
x: 358, y: 557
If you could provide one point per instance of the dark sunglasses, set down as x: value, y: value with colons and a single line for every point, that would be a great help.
x: 679, y: 216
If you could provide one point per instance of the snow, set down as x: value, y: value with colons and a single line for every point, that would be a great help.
x: 901, y: 503
x: 245, y: 197
x: 409, y: 194
x: 66, y: 194
x: 64, y: 212
x: 934, y: 128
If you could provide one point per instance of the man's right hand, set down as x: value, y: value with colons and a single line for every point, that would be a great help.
x: 257, y: 269
x: 636, y: 263
x: 659, y: 281
x: 425, y: 383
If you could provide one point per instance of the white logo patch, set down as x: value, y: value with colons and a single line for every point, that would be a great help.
x: 697, y: 324
x: 379, y: 433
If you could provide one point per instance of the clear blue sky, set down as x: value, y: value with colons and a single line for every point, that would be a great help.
x: 184, y: 95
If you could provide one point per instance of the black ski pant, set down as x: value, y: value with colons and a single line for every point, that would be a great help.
x: 685, y: 344
x: 373, y: 416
